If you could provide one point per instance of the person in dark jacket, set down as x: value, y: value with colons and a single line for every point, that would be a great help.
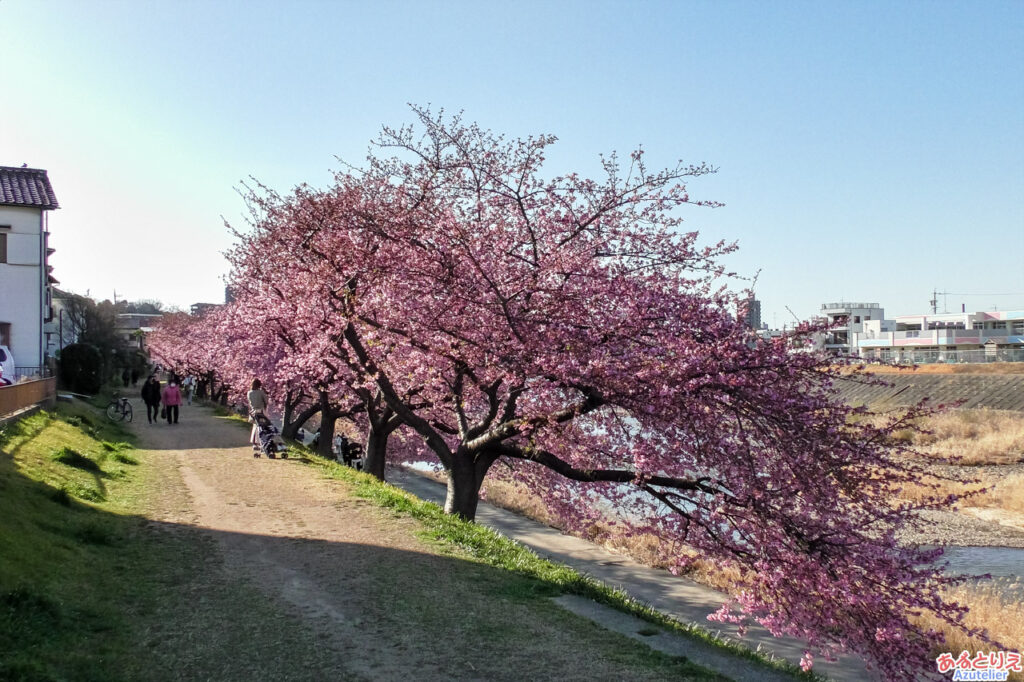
x: 151, y: 396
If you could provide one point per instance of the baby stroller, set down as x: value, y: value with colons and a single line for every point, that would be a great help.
x: 269, y: 438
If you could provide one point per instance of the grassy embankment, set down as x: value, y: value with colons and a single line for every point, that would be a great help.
x: 90, y: 589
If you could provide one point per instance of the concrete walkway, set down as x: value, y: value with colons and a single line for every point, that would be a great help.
x: 682, y: 599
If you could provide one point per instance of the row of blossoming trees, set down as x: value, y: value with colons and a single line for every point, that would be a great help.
x: 567, y: 333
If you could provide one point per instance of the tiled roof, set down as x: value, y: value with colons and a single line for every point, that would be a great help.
x: 26, y: 187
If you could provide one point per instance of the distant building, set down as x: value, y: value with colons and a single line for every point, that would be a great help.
x: 946, y: 337
x: 26, y: 198
x: 750, y: 312
x: 132, y: 328
x: 847, y: 320
x: 203, y: 308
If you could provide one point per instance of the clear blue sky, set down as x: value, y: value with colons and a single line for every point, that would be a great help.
x: 868, y: 151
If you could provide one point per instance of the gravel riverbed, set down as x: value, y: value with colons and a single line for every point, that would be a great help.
x: 972, y: 526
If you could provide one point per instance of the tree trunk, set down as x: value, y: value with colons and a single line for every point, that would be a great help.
x: 290, y: 427
x: 328, y: 415
x: 325, y: 447
x: 375, y: 454
x: 286, y: 418
x: 464, y: 481
x: 382, y: 423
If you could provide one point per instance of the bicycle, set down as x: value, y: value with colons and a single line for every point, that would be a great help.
x: 119, y: 409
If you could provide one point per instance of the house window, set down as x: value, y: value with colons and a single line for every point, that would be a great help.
x: 978, y: 325
x: 3, y: 247
x: 5, y: 334
x: 856, y: 319
x: 999, y: 325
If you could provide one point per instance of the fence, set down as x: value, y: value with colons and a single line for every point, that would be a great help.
x: 26, y: 394
x: 31, y: 372
x: 925, y: 357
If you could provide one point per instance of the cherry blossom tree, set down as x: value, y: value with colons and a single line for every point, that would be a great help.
x: 572, y: 331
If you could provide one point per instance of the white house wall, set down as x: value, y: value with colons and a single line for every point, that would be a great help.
x: 21, y: 285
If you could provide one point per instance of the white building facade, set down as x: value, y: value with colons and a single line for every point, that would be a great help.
x: 846, y: 320
x: 26, y: 198
x: 981, y: 336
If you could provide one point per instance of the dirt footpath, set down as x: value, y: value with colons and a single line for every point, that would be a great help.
x: 278, y: 524
x: 378, y: 602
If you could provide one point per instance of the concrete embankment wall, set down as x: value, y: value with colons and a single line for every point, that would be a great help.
x: 998, y: 392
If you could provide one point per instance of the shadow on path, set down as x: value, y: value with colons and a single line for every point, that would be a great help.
x: 680, y: 598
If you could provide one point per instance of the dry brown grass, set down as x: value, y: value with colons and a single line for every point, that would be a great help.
x: 943, y: 487
x: 990, y: 608
x: 1007, y: 494
x: 976, y: 436
x: 970, y: 437
x: 516, y: 497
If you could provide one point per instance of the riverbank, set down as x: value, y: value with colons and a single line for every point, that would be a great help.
x: 977, y: 521
x: 968, y: 527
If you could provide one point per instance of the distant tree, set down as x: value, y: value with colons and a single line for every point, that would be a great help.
x: 145, y: 307
x: 95, y: 323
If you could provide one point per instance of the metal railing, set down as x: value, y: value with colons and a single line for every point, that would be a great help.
x: 845, y: 305
x: 925, y: 357
x: 28, y: 372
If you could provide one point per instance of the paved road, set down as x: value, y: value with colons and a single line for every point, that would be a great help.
x: 679, y: 598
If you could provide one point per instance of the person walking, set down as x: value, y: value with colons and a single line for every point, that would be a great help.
x: 172, y: 400
x: 258, y: 404
x: 189, y: 386
x: 151, y: 396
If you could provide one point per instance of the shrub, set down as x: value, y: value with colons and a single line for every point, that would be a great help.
x: 81, y: 368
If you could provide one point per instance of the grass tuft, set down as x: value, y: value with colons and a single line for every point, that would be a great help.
x: 60, y: 496
x: 73, y: 458
x: 23, y: 603
x: 125, y: 458
x: 95, y: 533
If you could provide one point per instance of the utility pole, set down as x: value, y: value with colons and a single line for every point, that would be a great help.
x: 934, y: 303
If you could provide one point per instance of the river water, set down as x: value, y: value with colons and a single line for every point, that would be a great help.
x: 1003, y: 562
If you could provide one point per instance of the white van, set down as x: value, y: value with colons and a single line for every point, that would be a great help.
x: 7, y: 364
